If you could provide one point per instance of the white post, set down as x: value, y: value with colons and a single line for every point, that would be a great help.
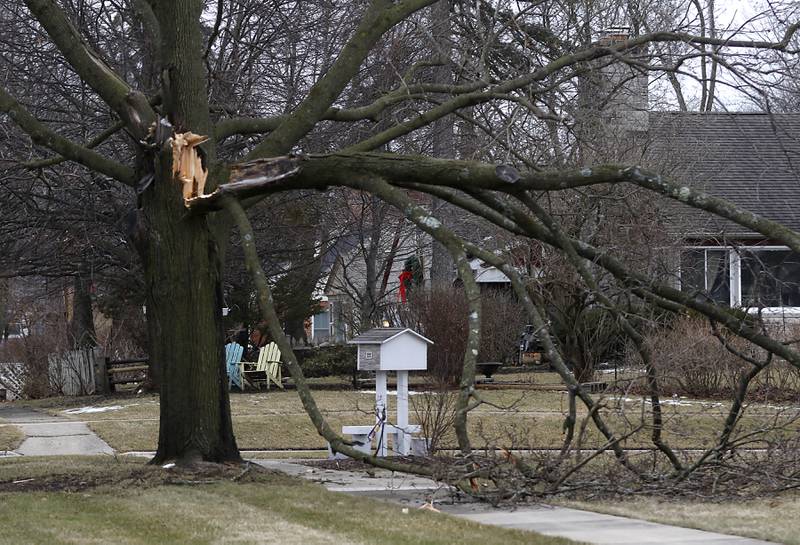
x: 735, y: 279
x: 403, y: 439
x: 382, y: 408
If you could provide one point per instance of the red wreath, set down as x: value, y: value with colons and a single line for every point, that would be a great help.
x: 404, y: 277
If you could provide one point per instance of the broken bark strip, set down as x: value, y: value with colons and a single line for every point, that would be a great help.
x: 267, y: 307
x: 187, y: 164
x: 247, y: 180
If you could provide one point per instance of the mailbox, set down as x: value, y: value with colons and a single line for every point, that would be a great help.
x: 392, y: 349
x: 387, y: 349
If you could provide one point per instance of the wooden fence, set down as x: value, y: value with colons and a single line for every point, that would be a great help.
x: 12, y: 380
x: 75, y: 372
x: 89, y: 371
x: 127, y: 371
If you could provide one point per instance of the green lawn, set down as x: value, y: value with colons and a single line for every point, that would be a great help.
x: 127, y: 502
x: 773, y: 519
x: 10, y: 437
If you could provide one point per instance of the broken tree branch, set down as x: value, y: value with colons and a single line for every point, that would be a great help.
x: 320, y: 171
x: 249, y: 179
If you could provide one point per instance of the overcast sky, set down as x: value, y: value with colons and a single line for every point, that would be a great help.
x: 732, y: 15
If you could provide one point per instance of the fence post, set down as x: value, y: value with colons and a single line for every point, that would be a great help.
x: 55, y: 374
x: 101, y: 385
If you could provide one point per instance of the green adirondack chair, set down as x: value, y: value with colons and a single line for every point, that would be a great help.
x: 233, y: 358
x: 266, y: 370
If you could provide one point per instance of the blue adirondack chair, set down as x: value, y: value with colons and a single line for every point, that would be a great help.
x: 233, y: 355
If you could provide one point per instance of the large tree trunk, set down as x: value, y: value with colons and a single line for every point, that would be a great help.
x: 183, y: 266
x: 82, y: 326
x: 5, y: 306
x: 184, y: 319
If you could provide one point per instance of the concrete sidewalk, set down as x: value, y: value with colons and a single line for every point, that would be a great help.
x: 580, y: 526
x: 48, y: 435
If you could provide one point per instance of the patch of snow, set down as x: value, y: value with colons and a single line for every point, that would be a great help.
x: 390, y: 392
x: 782, y: 407
x: 675, y: 401
x: 85, y: 410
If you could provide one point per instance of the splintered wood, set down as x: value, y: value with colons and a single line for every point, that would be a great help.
x: 249, y: 179
x: 187, y: 165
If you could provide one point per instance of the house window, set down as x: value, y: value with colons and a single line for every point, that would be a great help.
x: 770, y: 278
x: 707, y: 271
x: 764, y: 277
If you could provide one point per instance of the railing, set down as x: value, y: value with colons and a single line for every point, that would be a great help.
x: 126, y: 371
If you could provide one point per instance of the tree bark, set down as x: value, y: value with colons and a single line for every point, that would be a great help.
x: 183, y: 274
x: 182, y: 260
x: 82, y: 326
x: 5, y: 306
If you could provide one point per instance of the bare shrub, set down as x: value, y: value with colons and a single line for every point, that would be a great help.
x: 588, y: 333
x: 441, y: 315
x: 691, y: 361
x: 125, y: 334
x: 32, y: 351
x: 502, y: 323
x: 780, y: 381
x: 435, y: 410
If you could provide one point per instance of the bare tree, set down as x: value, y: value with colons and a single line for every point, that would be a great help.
x: 195, y: 164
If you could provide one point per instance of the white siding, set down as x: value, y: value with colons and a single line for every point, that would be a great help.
x: 405, y: 351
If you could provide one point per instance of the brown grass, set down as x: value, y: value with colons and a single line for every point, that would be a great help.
x: 10, y: 437
x: 512, y: 418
